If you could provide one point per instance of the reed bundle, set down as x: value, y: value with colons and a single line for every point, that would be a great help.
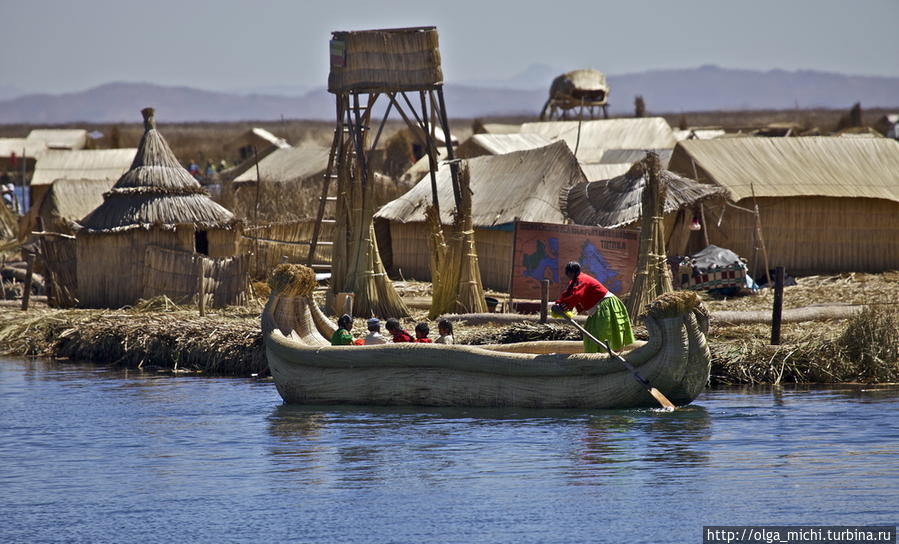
x: 459, y: 288
x: 652, y: 276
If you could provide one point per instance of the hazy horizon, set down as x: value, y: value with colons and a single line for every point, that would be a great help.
x: 228, y: 45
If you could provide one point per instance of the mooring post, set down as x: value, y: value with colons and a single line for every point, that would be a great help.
x: 201, y: 286
x: 544, y: 299
x: 778, y: 305
x: 29, y: 271
x: 348, y: 303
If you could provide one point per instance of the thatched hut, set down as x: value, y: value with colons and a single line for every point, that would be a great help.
x: 524, y: 185
x: 255, y: 141
x: 60, y: 138
x: 158, y: 204
x: 616, y: 203
x: 825, y: 204
x: 592, y: 139
x: 585, y: 91
x: 498, y: 144
x: 64, y: 204
x: 97, y: 164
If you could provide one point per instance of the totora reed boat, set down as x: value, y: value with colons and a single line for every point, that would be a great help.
x: 307, y: 369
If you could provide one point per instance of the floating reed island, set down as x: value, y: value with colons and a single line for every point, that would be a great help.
x: 860, y: 344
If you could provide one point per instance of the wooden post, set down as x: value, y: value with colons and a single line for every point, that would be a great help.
x: 544, y: 299
x: 29, y: 271
x: 512, y: 262
x: 348, y: 303
x: 778, y: 305
x: 201, y: 286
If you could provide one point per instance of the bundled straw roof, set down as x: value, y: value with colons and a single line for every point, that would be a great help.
x: 156, y: 192
x: 67, y: 201
x: 32, y: 148
x: 599, y: 135
x: 789, y: 167
x: 60, y: 138
x: 599, y: 172
x: 523, y: 184
x: 586, y: 84
x: 630, y: 156
x: 256, y: 134
x: 56, y: 164
x: 288, y: 164
x: 498, y: 144
x: 391, y: 59
x: 617, y: 202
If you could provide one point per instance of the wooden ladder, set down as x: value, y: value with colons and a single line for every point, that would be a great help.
x: 343, y: 136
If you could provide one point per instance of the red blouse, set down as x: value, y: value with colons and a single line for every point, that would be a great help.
x: 424, y: 340
x: 402, y: 336
x: 583, y: 293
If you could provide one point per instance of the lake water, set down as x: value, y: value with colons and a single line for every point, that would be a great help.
x: 96, y: 455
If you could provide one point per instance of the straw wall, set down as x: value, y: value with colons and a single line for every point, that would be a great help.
x: 814, y: 235
x: 60, y: 268
x: 269, y: 243
x: 398, y: 60
x: 176, y: 275
x: 223, y: 242
x: 409, y: 245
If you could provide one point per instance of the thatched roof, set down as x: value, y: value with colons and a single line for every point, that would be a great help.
x: 498, y: 144
x: 390, y: 59
x: 421, y: 167
x: 599, y: 135
x: 156, y: 192
x: 289, y: 164
x: 630, y: 156
x: 495, y: 128
x: 789, y: 167
x: 585, y: 84
x: 60, y: 138
x: 66, y: 202
x: 108, y: 164
x: 31, y: 148
x: 617, y: 202
x: 523, y: 184
x: 256, y: 135
x: 601, y: 172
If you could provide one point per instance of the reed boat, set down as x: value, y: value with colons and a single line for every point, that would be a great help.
x: 306, y: 369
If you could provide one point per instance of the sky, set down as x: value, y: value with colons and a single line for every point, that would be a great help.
x: 64, y: 46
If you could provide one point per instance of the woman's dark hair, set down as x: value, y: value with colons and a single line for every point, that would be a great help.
x: 345, y: 322
x: 392, y: 323
x: 573, y: 267
x: 445, y: 324
x: 423, y: 328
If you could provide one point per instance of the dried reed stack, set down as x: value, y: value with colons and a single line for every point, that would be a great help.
x: 455, y: 274
x: 356, y: 259
x: 652, y: 276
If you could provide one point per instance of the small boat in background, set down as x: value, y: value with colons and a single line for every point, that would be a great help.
x: 547, y: 374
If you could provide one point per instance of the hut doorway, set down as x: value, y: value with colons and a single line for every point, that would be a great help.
x: 201, y: 242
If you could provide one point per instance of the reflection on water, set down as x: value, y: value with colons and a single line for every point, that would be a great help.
x: 92, y: 454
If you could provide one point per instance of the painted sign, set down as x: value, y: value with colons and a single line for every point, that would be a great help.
x: 542, y: 250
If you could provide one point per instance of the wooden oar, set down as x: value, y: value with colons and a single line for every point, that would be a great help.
x: 656, y: 394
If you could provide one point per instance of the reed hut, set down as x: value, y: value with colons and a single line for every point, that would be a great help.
x: 591, y: 139
x: 577, y: 94
x: 824, y: 204
x: 616, y: 202
x: 523, y: 184
x: 498, y: 144
x: 156, y: 204
x: 65, y: 203
x: 22, y: 151
x: 255, y: 141
x: 83, y: 164
x: 60, y: 138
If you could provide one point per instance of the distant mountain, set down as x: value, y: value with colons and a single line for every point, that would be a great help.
x: 664, y: 91
x: 10, y: 91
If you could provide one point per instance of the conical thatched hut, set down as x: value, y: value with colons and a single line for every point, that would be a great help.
x: 155, y: 203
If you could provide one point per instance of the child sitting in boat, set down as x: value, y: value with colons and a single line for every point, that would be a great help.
x: 399, y: 334
x: 342, y: 336
x: 421, y: 333
x: 374, y: 337
x: 445, y: 329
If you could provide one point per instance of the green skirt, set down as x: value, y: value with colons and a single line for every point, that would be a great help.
x: 611, y: 324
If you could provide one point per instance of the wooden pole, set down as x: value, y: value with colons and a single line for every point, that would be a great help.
x: 29, y: 271
x: 201, y: 286
x: 761, y: 238
x: 512, y: 262
x: 544, y: 299
x: 778, y: 305
x: 256, y: 212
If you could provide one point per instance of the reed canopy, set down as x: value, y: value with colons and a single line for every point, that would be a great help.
x: 824, y: 204
x: 591, y: 139
x: 155, y: 203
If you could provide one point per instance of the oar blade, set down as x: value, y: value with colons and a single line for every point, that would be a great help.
x: 662, y: 399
